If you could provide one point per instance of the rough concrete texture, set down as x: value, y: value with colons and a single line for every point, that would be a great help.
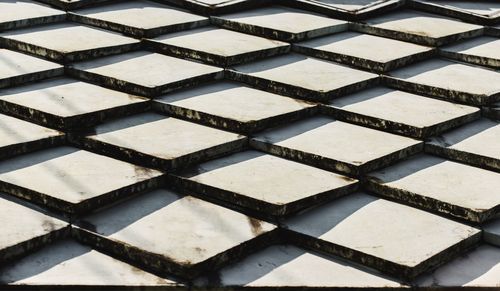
x: 16, y: 14
x: 481, y: 51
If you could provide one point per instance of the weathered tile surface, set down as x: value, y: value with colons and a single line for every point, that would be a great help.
x: 216, y: 6
x: 481, y: 51
x: 16, y: 14
x: 482, y: 12
x: 351, y: 9
x: 73, y: 4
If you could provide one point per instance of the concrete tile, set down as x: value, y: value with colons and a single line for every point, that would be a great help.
x: 73, y: 4
x: 449, y: 80
x: 348, y: 9
x: 491, y: 232
x: 216, y: 7
x: 18, y: 136
x: 68, y: 263
x: 233, y: 106
x: 265, y: 183
x: 169, y: 233
x: 145, y: 73
x: 284, y: 266
x: 401, y: 112
x: 73, y: 180
x: 364, y: 51
x: 483, y: 51
x: 480, y: 12
x: 387, y: 236
x: 335, y: 145
x: 162, y: 142
x: 16, y: 14
x: 66, y: 103
x: 24, y: 229
x: 476, y: 144
x: 303, y: 77
x: 282, y: 23
x: 17, y: 68
x: 478, y: 268
x: 66, y: 42
x: 217, y: 46
x: 443, y: 186
x: 139, y: 18
x: 419, y: 27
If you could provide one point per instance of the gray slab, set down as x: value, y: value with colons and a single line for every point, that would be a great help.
x: 233, y: 106
x: 161, y: 142
x: 211, y: 7
x: 216, y: 46
x: 449, y: 80
x: 16, y: 14
x: 17, y: 68
x: 73, y: 4
x: 265, y: 183
x: 364, y: 51
x: 72, y: 180
x: 336, y: 145
x: 303, y: 77
x: 18, y: 136
x: 67, y: 42
x: 66, y: 103
x: 145, y: 73
x: 476, y: 144
x: 483, y: 50
x: 393, y: 238
x: 169, y: 233
x: 282, y: 23
x: 491, y: 232
x: 139, y: 18
x: 419, y: 27
x: 438, y: 185
x: 401, y: 112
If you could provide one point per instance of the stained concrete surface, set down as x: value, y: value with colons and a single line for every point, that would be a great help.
x: 16, y: 14
x: 483, y: 50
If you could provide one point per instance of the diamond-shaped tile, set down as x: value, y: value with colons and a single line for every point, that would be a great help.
x: 449, y: 80
x: 351, y: 9
x: 476, y: 144
x: 401, y: 112
x: 393, y: 238
x: 483, y: 50
x: 364, y: 51
x: 66, y: 42
x: 265, y: 183
x: 162, y: 142
x: 66, y: 103
x: 139, y: 18
x: 212, y: 7
x: 73, y: 180
x: 233, y: 106
x: 481, y: 12
x: 217, y: 46
x: 17, y: 68
x: 304, y: 77
x: 282, y: 23
x: 336, y: 145
x: 73, y: 4
x: 19, y: 136
x: 439, y: 185
x: 145, y: 73
x: 16, y: 14
x: 173, y: 234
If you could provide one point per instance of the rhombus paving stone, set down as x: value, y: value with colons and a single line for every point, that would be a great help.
x: 139, y: 18
x: 67, y: 42
x: 483, y: 50
x: 268, y: 184
x: 393, y: 238
x: 401, y: 112
x: 174, y: 234
x: 336, y: 145
x: 17, y: 68
x: 441, y: 186
x: 233, y: 106
x: 282, y: 23
x: 449, y: 80
x: 144, y: 73
x: 283, y: 266
x: 419, y: 27
x: 66, y: 103
x: 16, y: 14
x: 161, y: 142
x: 303, y: 77
x: 218, y: 46
x: 73, y: 4
x: 211, y: 7
x: 72, y: 264
x: 25, y: 229
x: 364, y: 51
x: 72, y: 180
x: 18, y: 136
x: 477, y: 144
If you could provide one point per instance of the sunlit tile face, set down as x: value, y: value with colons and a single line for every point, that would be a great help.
x: 481, y: 51
x: 16, y: 14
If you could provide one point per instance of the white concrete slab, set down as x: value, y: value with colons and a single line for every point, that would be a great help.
x: 478, y: 7
x: 16, y: 14
x: 483, y: 50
